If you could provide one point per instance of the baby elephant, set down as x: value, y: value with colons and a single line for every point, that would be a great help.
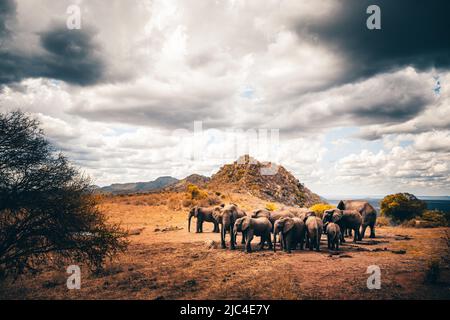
x: 333, y: 234
x: 292, y: 233
x: 260, y: 227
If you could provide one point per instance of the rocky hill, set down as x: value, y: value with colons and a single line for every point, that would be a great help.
x: 181, y: 186
x: 249, y: 175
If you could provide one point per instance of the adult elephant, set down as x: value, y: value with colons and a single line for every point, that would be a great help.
x: 292, y: 232
x: 272, y: 215
x: 345, y: 219
x: 227, y: 216
x: 251, y: 227
x: 202, y: 214
x: 368, y: 213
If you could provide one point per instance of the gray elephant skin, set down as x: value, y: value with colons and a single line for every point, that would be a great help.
x: 272, y: 215
x: 333, y: 235
x: 367, y: 211
x: 202, y: 214
x: 301, y: 213
x: 292, y: 232
x: 314, y: 229
x: 250, y: 227
x: 227, y: 216
x: 345, y: 219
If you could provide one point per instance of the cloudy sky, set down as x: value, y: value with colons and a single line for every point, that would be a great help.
x: 150, y: 88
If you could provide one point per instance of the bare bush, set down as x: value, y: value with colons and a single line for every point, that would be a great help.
x: 48, y: 212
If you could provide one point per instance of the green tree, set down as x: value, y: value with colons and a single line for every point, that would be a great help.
x: 402, y: 206
x: 47, y: 208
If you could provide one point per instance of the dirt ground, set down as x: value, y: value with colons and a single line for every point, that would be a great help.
x: 166, y: 262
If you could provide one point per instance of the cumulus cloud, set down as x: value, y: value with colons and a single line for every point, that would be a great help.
x: 120, y: 96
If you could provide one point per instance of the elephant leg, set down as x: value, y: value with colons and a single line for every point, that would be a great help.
x: 363, y: 230
x: 342, y: 235
x: 281, y: 241
x: 294, y: 244
x: 243, y: 238
x: 302, y: 244
x: 261, y: 243
x: 318, y: 244
x: 248, y: 245
x: 269, y: 241
x: 233, y: 240
x: 222, y: 236
x: 372, y: 230
x: 285, y: 242
x: 197, y: 225
x: 356, y: 235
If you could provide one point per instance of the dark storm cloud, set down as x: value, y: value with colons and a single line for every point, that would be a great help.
x: 70, y: 55
x: 388, y: 113
x: 73, y: 56
x: 413, y: 33
x: 7, y: 13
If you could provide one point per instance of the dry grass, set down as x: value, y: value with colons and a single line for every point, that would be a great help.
x: 164, y: 261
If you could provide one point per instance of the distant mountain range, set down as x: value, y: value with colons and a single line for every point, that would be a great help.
x: 138, y: 187
x: 165, y: 183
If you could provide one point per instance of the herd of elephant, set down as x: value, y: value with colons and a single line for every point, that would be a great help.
x: 297, y: 227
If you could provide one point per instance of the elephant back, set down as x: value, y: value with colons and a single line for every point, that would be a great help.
x: 352, y: 218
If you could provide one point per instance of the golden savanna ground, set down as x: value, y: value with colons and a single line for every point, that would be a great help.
x: 164, y: 261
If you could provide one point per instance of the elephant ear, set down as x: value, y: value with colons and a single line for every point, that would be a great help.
x: 327, y: 215
x: 288, y: 225
x: 275, y: 226
x: 260, y: 213
x: 307, y: 215
x: 196, y: 209
x: 341, y: 205
x: 337, y: 215
x: 245, y: 223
